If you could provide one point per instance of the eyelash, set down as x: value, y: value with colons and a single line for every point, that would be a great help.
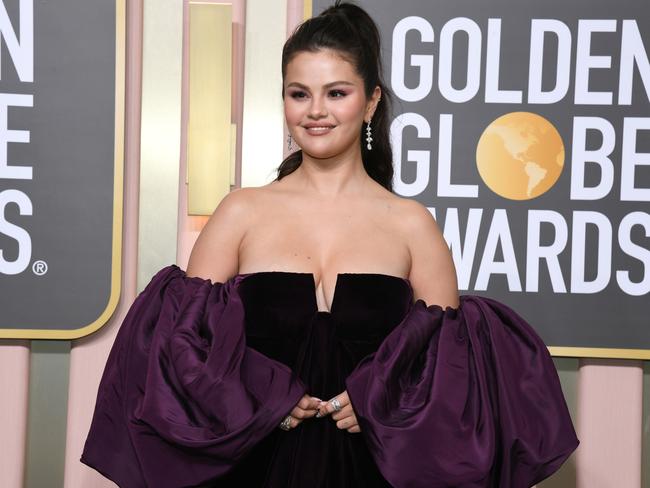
x: 333, y: 93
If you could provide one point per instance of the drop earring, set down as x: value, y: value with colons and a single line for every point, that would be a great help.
x: 289, y: 142
x: 369, y: 136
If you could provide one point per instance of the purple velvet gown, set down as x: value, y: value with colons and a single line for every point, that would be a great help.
x: 201, y: 374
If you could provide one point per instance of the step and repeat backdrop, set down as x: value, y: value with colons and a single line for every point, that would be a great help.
x: 61, y: 116
x: 525, y: 128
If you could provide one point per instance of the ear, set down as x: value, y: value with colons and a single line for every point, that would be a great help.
x: 371, y: 106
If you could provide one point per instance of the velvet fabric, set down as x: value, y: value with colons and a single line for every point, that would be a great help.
x: 201, y: 374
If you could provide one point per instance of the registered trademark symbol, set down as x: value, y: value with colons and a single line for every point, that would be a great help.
x: 39, y: 267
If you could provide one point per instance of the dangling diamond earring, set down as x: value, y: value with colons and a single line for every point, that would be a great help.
x: 369, y: 136
x: 289, y: 142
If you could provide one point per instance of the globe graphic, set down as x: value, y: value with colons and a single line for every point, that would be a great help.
x: 520, y: 155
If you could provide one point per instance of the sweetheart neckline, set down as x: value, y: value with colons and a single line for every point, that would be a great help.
x: 336, y: 283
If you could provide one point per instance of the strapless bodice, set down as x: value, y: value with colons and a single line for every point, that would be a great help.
x: 281, y: 311
x: 282, y: 321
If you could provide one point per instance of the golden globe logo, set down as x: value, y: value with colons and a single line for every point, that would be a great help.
x: 520, y: 155
x: 587, y: 238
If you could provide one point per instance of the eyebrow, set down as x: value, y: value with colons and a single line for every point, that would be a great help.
x: 328, y: 85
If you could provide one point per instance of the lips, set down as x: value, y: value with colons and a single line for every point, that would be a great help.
x: 318, y: 129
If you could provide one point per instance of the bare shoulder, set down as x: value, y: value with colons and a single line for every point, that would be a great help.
x: 215, y: 254
x: 432, y: 274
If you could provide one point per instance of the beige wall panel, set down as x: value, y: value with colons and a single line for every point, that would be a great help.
x: 14, y: 388
x: 263, y: 114
x: 609, y: 423
x: 160, y: 136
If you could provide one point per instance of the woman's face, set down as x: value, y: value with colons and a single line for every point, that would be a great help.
x: 325, y: 103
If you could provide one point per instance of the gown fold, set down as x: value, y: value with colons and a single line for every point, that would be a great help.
x: 201, y: 374
x: 463, y: 397
x: 182, y: 398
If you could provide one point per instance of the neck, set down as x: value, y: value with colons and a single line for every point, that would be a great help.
x: 337, y: 176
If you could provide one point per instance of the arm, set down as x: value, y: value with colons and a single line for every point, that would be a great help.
x: 432, y: 275
x: 215, y: 254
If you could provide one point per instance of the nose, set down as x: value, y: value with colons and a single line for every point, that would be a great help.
x: 318, y: 108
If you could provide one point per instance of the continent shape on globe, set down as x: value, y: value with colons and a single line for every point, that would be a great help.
x: 520, y: 155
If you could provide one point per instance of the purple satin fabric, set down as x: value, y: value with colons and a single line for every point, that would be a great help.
x: 182, y: 398
x: 467, y: 397
x: 462, y: 397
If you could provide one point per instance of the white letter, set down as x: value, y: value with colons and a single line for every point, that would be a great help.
x: 446, y: 59
x: 632, y: 50
x: 631, y: 249
x: 445, y: 187
x: 421, y: 158
x: 19, y: 234
x: 550, y: 253
x: 492, y: 92
x: 580, y: 155
x: 422, y: 61
x: 578, y: 252
x: 630, y: 159
x: 22, y: 53
x: 585, y: 61
x: 538, y: 29
x: 463, y: 254
x: 499, y: 232
x: 6, y: 135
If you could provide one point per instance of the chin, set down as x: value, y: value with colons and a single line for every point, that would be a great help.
x: 320, y: 153
x: 321, y: 149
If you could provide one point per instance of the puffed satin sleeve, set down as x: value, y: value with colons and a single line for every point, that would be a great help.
x: 182, y: 398
x: 465, y: 397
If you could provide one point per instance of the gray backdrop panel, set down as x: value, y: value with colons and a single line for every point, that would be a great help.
x: 72, y: 153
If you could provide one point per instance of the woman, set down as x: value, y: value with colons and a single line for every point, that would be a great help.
x: 316, y: 287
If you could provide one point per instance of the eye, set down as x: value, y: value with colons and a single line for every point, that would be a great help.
x: 337, y: 93
x: 298, y: 95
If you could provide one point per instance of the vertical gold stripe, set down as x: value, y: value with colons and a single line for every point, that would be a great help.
x: 308, y: 9
x: 210, y: 110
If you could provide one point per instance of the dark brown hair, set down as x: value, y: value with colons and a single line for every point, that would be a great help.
x: 349, y: 30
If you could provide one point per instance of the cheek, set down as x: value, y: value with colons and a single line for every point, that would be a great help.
x: 292, y: 112
x: 351, y: 112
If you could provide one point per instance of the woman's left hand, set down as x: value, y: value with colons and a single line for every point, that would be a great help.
x: 345, y: 418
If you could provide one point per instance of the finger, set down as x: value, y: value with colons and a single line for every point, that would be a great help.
x: 293, y: 422
x: 302, y: 413
x: 314, y: 403
x: 354, y: 429
x: 345, y: 423
x: 299, y: 413
x: 322, y: 409
x: 312, y: 409
x: 304, y: 402
x: 343, y: 398
x: 329, y: 406
x: 345, y: 412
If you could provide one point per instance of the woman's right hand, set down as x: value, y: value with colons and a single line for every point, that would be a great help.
x: 306, y: 408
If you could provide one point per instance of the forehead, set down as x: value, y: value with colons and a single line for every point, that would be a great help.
x: 322, y: 66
